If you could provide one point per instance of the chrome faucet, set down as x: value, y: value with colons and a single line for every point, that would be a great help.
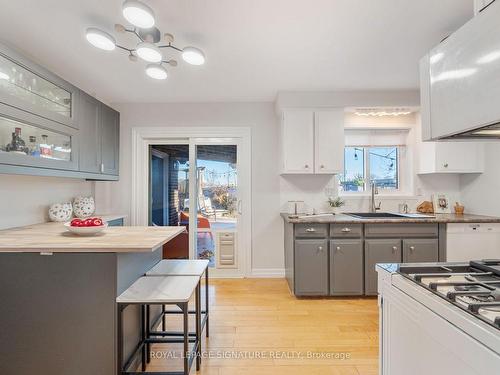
x: 374, y: 190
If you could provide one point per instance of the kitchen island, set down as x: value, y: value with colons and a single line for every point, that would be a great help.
x: 58, y: 292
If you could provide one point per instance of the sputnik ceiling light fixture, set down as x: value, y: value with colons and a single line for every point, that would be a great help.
x: 148, y: 48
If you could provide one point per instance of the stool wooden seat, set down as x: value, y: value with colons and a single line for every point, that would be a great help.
x: 160, y: 290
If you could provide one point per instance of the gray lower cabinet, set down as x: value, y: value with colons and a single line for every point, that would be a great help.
x: 346, y: 267
x: 311, y: 267
x: 420, y: 250
x: 116, y: 223
x: 379, y: 251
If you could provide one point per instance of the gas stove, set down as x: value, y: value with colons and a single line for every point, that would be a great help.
x: 473, y: 287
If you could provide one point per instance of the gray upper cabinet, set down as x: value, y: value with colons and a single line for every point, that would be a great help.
x: 346, y: 267
x: 100, y: 136
x: 89, y: 124
x: 49, y: 127
x: 31, y: 141
x: 32, y: 88
x: 420, y: 250
x: 110, y: 140
x: 311, y: 267
x: 379, y: 251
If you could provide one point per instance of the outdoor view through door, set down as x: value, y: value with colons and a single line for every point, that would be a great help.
x: 217, y: 181
x: 216, y: 205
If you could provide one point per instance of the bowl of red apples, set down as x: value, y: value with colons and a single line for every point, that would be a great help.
x: 86, y: 227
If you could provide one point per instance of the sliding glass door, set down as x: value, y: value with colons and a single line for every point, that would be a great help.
x: 196, y: 183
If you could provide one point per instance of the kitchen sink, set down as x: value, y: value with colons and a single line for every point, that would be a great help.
x: 386, y: 215
x: 373, y: 215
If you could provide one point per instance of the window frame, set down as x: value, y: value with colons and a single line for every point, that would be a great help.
x: 401, y: 150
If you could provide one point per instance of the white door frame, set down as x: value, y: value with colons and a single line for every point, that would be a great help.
x: 143, y: 137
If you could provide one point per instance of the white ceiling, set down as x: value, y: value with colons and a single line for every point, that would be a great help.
x: 254, y: 48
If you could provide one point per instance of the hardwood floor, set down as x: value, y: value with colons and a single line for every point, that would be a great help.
x: 257, y: 327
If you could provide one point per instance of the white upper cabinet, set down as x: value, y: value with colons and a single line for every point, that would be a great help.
x: 297, y: 140
x: 329, y: 142
x: 451, y: 157
x: 312, y: 142
x: 460, y: 78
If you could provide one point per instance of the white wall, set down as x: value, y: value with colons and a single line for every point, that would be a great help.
x: 267, y: 227
x: 25, y: 200
x: 480, y: 193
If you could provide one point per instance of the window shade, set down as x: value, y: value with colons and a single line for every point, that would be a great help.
x: 379, y: 137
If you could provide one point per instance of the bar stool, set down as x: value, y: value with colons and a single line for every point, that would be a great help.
x: 184, y: 267
x: 162, y: 291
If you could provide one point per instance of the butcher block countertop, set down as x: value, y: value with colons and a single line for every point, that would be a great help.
x: 346, y: 219
x: 54, y: 238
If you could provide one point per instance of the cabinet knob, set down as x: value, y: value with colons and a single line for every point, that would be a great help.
x: 445, y: 165
x: 320, y: 248
x: 306, y: 166
x: 338, y: 248
x: 394, y: 249
x: 311, y: 230
x: 322, y: 166
x: 346, y: 230
x: 412, y: 248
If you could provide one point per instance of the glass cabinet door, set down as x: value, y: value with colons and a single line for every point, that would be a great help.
x: 24, y: 88
x: 29, y: 140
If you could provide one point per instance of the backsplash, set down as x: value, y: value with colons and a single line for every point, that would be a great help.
x: 24, y: 200
x: 314, y: 191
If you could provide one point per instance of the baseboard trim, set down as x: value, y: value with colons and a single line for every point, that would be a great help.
x: 267, y: 272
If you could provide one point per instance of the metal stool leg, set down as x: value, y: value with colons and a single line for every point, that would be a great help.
x: 143, y: 337
x: 120, y: 338
x: 198, y: 325
x: 206, y: 302
x: 148, y: 333
x: 186, y: 337
x: 163, y: 319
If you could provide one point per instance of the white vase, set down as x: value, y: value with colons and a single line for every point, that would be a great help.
x: 60, y: 211
x: 83, y: 207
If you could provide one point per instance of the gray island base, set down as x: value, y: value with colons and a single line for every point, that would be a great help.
x: 58, y: 312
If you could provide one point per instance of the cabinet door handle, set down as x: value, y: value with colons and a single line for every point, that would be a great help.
x: 102, y: 167
x: 311, y: 230
x: 412, y: 248
x: 346, y: 230
x: 394, y: 249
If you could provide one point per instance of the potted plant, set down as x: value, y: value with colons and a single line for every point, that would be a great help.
x: 335, y: 204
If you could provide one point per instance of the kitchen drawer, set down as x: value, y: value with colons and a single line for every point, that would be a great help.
x: 401, y: 230
x: 346, y: 230
x: 311, y: 230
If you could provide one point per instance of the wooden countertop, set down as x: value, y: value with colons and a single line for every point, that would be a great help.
x: 347, y: 219
x: 54, y: 238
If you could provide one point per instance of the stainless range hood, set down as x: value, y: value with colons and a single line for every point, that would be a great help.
x: 460, y: 82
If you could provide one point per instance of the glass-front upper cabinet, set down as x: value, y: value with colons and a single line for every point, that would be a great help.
x: 30, y: 140
x: 30, y: 87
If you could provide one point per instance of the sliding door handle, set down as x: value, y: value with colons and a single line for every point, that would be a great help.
x: 240, y: 207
